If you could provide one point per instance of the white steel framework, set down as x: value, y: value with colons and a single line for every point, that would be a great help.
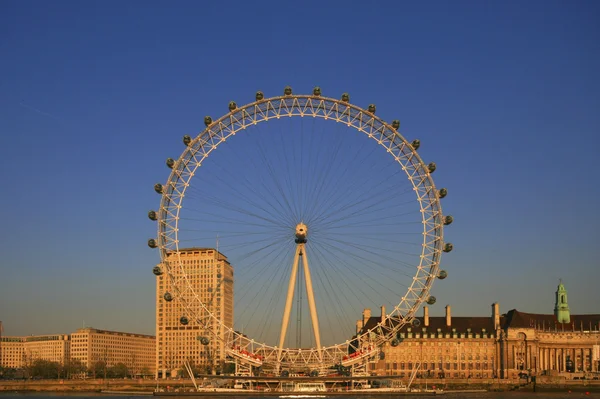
x: 301, y: 106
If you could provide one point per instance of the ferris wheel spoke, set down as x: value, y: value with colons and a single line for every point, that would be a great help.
x: 372, y: 195
x: 330, y: 291
x: 369, y: 255
x: 356, y: 266
x: 261, y: 197
x: 241, y: 211
x: 357, y: 273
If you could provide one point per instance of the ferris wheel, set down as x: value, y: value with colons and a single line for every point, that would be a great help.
x: 310, y: 214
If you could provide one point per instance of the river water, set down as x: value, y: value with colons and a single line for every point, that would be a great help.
x: 485, y: 395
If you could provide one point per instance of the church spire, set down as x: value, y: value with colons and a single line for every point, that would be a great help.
x: 561, y: 307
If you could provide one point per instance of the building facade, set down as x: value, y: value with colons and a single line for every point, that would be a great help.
x: 88, y: 345
x: 136, y: 351
x: 211, y: 276
x: 18, y: 352
x: 499, y: 346
x: 12, y: 352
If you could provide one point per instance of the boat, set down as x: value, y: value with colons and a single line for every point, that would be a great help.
x: 310, y: 387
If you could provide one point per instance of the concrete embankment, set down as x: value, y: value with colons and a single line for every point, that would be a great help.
x: 142, y: 386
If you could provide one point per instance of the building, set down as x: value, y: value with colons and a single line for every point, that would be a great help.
x: 499, y: 346
x: 136, y: 351
x: 53, y: 348
x: 87, y: 345
x: 211, y: 277
x: 440, y: 347
x: 12, y: 352
x: 18, y: 352
x: 550, y: 343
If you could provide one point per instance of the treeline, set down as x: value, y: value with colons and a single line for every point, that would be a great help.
x: 45, y: 369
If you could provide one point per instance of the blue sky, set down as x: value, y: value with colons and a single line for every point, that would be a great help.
x: 504, y: 97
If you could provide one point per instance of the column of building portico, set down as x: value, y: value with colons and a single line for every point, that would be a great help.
x: 542, y: 359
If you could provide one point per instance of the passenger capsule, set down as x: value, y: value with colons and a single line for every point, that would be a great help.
x: 158, y: 188
x: 372, y: 108
x: 431, y: 167
x: 443, y: 192
x: 259, y: 95
x: 448, y: 247
x: 287, y: 91
x: 317, y: 91
x: 187, y: 140
x: 152, y: 243
x: 442, y: 274
x: 232, y: 105
x: 396, y: 124
x: 184, y: 320
x: 204, y: 340
x: 170, y: 163
x: 314, y: 373
x: 168, y: 297
x: 394, y: 342
x: 346, y: 97
x: 157, y: 271
x: 152, y: 215
x: 207, y: 120
x: 415, y: 144
x: 416, y: 322
x: 448, y: 220
x: 431, y: 300
x: 285, y: 373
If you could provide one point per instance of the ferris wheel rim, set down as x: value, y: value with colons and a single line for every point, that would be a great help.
x: 314, y: 106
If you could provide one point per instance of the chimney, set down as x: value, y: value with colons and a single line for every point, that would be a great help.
x: 359, y: 326
x: 448, y: 316
x: 496, y: 315
x: 426, y: 316
x: 383, y: 314
x: 366, y: 316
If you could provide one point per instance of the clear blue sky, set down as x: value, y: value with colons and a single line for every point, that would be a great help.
x: 505, y: 97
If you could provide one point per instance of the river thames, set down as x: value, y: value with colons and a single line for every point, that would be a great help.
x: 486, y: 395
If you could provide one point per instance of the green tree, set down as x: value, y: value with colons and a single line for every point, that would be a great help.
x: 45, y: 369
x: 146, y: 372
x: 99, y: 369
x: 119, y: 370
x: 74, y: 367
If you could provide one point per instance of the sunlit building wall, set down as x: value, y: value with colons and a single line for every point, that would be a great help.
x: 136, y: 351
x: 211, y: 277
x: 12, y: 352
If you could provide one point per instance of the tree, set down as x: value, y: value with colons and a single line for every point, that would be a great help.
x: 45, y: 369
x: 119, y: 370
x: 74, y: 367
x: 99, y: 368
x: 145, y: 372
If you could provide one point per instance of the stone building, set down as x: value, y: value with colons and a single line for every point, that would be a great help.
x: 136, y: 351
x: 17, y: 352
x: 498, y: 346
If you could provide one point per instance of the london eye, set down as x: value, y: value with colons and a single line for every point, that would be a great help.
x: 323, y: 209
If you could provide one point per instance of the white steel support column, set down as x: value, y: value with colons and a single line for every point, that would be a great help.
x: 289, y: 299
x: 301, y: 232
x: 311, y: 300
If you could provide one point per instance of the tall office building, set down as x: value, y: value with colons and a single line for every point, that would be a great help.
x: 211, y: 277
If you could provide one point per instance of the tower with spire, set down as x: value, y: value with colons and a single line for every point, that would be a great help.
x: 561, y: 307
